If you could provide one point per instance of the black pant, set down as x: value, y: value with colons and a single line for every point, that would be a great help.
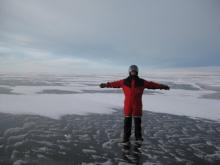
x: 128, y: 125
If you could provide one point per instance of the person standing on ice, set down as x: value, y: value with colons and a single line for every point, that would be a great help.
x: 133, y: 88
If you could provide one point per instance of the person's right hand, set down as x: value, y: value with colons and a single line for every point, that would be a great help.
x: 102, y: 85
x: 166, y: 87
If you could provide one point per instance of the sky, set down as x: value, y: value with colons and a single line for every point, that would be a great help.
x: 90, y: 36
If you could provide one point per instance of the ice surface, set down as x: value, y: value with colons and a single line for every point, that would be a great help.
x: 56, y: 95
x: 94, y: 139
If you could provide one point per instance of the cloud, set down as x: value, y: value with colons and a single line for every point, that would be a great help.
x: 36, y: 61
x: 116, y: 33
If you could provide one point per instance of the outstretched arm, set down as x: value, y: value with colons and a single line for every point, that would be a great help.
x: 114, y: 84
x: 154, y: 85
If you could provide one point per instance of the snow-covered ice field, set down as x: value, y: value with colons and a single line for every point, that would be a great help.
x: 68, y: 119
x: 195, y: 95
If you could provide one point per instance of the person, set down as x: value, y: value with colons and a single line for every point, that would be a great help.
x: 133, y: 87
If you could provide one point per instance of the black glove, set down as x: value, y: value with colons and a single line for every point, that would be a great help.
x: 102, y: 85
x: 166, y: 87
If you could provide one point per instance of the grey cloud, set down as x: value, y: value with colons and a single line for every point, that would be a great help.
x: 155, y: 32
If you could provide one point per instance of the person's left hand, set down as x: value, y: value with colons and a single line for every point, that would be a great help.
x: 166, y: 87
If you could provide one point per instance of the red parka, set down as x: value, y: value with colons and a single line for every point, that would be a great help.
x: 133, y: 89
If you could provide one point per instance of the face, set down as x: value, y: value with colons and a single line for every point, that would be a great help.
x: 133, y: 73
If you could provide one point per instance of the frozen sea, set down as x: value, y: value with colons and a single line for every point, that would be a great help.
x: 68, y: 119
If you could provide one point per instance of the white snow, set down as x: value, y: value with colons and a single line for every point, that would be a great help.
x: 188, y: 106
x: 175, y: 101
x: 54, y: 105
